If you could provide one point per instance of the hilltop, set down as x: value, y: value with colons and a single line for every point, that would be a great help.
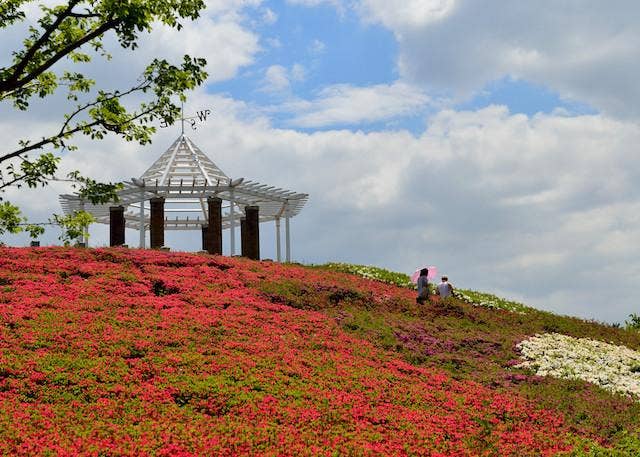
x: 133, y: 352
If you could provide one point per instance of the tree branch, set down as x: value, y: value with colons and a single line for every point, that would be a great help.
x: 10, y: 84
x: 14, y: 180
x: 63, y: 132
x: 19, y: 68
x: 137, y: 88
x: 84, y: 15
x: 7, y: 94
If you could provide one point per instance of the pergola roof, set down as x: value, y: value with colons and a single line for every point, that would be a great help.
x: 184, y: 161
x: 185, y: 177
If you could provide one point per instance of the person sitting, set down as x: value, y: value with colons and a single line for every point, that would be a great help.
x: 423, y: 287
x: 444, y: 289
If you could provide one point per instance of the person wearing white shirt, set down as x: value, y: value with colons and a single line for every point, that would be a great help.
x: 444, y: 289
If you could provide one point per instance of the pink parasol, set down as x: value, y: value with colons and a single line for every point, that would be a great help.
x: 433, y: 273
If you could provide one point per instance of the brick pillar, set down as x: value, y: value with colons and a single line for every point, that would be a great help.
x: 252, y: 232
x: 116, y: 225
x: 157, y: 222
x: 214, y: 236
x: 205, y: 236
x: 243, y: 237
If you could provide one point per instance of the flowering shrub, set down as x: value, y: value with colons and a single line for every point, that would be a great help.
x: 134, y: 352
x: 370, y: 272
x: 118, y: 352
x: 402, y: 280
x: 612, y: 367
x: 490, y: 301
x: 474, y: 336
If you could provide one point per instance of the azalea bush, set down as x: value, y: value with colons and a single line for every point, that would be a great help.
x: 402, y: 280
x: 116, y: 352
x: 371, y: 272
x: 475, y: 335
x: 134, y: 352
x: 490, y: 301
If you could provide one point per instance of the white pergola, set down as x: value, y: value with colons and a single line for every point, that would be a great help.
x: 186, y: 177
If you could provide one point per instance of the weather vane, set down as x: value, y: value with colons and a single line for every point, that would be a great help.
x: 201, y: 116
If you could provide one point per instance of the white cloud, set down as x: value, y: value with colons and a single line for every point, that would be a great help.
x: 269, y: 17
x: 218, y: 35
x: 317, y: 47
x: 338, y: 4
x: 221, y: 35
x: 273, y: 42
x: 585, y: 51
x: 408, y: 13
x: 298, y: 72
x: 276, y: 79
x: 347, y: 104
x: 535, y: 260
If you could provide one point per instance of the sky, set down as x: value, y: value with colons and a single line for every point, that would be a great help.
x: 495, y: 140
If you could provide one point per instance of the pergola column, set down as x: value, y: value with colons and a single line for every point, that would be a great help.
x: 287, y: 239
x: 243, y: 236
x: 232, y: 223
x: 141, y: 230
x: 84, y: 238
x: 278, y: 254
x: 252, y: 232
x: 214, y: 233
x: 116, y: 225
x: 205, y: 238
x: 157, y: 222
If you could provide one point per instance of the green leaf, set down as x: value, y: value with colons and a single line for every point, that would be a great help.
x: 10, y: 218
x: 74, y: 226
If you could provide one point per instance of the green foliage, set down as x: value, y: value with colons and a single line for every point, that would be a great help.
x: 400, y: 279
x: 73, y: 31
x: 10, y: 11
x: 633, y: 323
x: 490, y: 301
x: 311, y: 297
x: 74, y: 225
x: 11, y: 221
x: 34, y: 230
x: 627, y: 445
x: 370, y: 326
x: 378, y: 274
x: 32, y: 173
x: 10, y: 218
x: 93, y: 191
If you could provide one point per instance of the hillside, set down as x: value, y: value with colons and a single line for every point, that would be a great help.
x: 130, y: 352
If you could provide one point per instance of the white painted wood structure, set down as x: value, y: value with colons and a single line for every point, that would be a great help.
x: 185, y: 177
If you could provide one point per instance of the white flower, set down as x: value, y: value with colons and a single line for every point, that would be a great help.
x: 604, y: 364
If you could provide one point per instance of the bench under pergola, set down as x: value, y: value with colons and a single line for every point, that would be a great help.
x: 185, y: 190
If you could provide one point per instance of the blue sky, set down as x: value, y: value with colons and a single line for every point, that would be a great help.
x: 496, y: 140
x: 329, y: 47
x: 523, y: 97
x: 332, y: 47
